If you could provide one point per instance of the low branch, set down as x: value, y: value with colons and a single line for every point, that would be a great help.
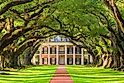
x: 17, y: 14
x: 13, y: 3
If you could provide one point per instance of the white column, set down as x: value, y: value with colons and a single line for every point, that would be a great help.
x: 65, y: 55
x: 73, y: 55
x: 91, y: 59
x: 48, y: 55
x: 82, y: 57
x: 40, y: 56
x: 33, y: 60
x: 57, y: 55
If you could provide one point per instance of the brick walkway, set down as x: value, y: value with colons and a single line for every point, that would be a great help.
x: 61, y: 76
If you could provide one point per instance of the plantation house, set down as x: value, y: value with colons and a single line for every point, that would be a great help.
x: 60, y: 51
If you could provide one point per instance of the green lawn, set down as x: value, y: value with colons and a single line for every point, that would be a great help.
x: 81, y: 74
x: 39, y: 74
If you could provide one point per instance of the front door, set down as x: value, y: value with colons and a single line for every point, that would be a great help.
x: 61, y: 60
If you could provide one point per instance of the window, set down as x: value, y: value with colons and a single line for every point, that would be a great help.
x: 78, y: 61
x: 67, y: 39
x: 52, y: 50
x: 61, y: 50
x: 78, y: 50
x: 63, y: 39
x: 70, y: 50
x: 57, y: 39
x: 45, y: 50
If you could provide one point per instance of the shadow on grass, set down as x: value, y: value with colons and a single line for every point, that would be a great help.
x: 7, y: 74
x: 88, y: 79
x: 41, y: 74
x: 38, y: 80
x: 41, y: 69
x: 38, y: 76
x: 95, y: 75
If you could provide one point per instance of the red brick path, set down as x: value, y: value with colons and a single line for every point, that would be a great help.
x: 61, y: 76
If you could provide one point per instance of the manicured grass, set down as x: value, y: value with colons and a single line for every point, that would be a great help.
x: 39, y: 74
x: 82, y: 74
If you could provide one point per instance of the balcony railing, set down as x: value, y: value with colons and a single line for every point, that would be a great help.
x: 53, y: 52
x: 61, y: 52
x: 70, y: 52
x: 78, y: 52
